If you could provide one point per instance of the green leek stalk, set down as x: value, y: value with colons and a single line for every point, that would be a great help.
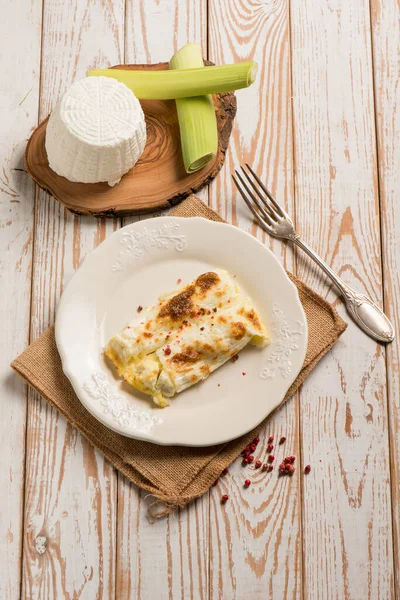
x: 182, y: 83
x: 196, y: 116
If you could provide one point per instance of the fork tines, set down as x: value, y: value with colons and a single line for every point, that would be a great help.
x: 262, y: 204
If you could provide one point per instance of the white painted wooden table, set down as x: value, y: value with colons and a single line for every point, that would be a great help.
x: 322, y: 127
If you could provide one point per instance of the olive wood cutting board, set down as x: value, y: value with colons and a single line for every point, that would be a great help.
x: 157, y: 181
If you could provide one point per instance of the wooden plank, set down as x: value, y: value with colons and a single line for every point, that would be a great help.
x: 386, y: 52
x: 255, y: 542
x: 19, y: 98
x: 70, y: 489
x: 153, y: 32
x: 170, y: 558
x: 166, y: 560
x: 346, y: 499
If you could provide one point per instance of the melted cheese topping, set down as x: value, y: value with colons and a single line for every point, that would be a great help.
x: 185, y: 336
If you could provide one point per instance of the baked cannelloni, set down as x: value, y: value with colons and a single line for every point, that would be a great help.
x: 185, y: 336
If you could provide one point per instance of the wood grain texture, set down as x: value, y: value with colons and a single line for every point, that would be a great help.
x: 346, y: 503
x: 158, y: 180
x: 166, y: 561
x: 19, y: 99
x: 385, y: 18
x: 81, y: 540
x: 156, y: 30
x: 255, y: 539
x: 69, y: 543
x: 170, y: 558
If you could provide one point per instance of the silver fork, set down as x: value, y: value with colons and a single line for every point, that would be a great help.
x: 277, y: 222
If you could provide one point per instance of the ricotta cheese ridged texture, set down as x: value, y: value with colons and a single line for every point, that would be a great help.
x: 96, y: 132
x: 185, y: 336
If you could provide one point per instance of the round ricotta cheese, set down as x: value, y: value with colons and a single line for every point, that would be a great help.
x: 96, y: 132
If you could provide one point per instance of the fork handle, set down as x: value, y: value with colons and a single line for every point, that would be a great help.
x: 364, y: 312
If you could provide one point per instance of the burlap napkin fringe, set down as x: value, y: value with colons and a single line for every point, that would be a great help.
x: 166, y: 505
x: 174, y: 475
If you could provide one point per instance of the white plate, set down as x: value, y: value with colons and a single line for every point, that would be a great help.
x: 137, y: 264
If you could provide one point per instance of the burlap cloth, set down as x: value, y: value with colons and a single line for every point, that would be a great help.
x: 175, y: 475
